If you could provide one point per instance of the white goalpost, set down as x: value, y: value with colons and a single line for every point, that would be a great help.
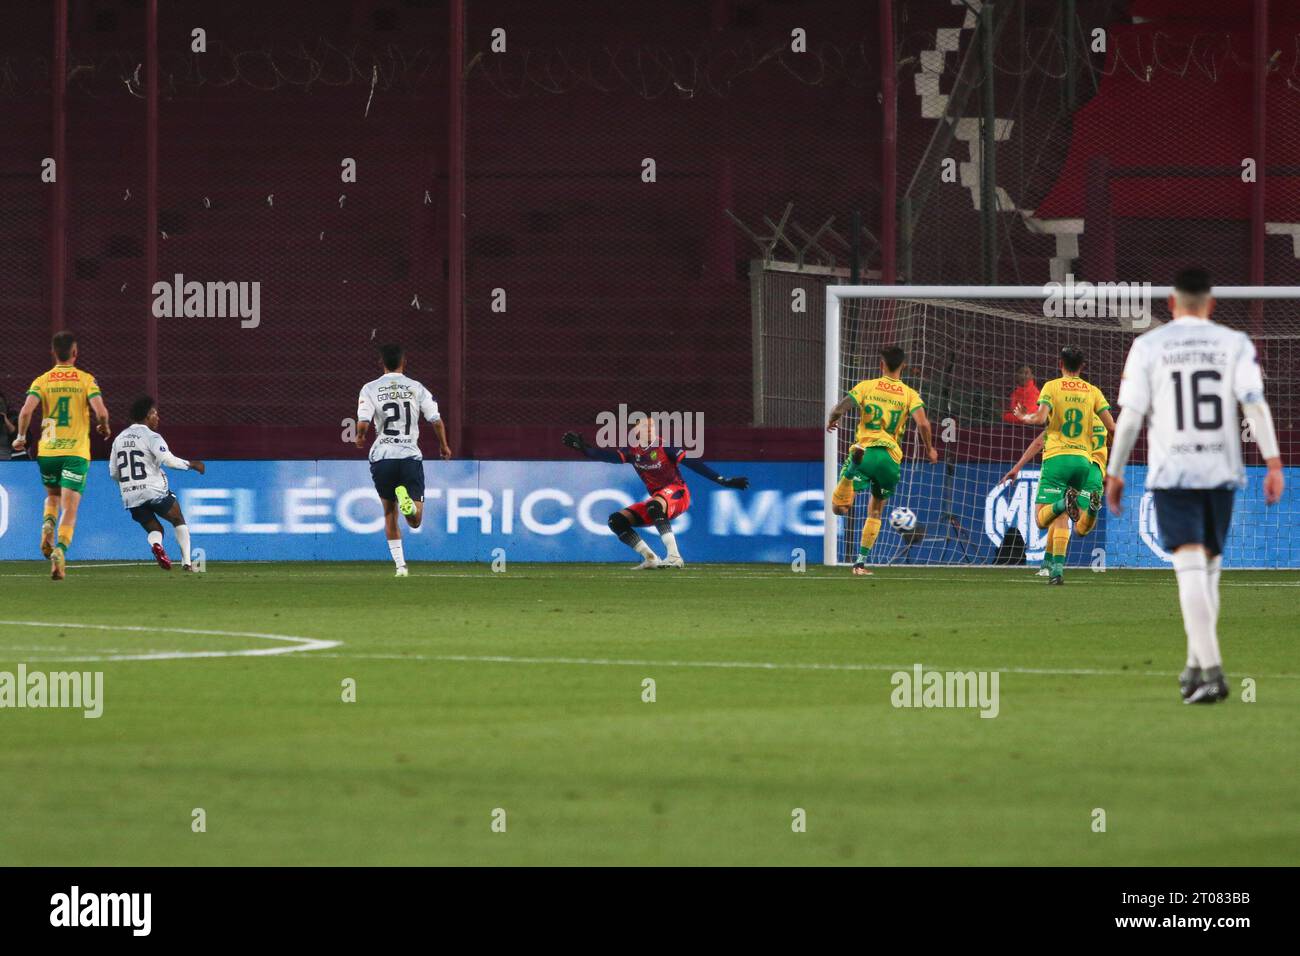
x: 964, y: 347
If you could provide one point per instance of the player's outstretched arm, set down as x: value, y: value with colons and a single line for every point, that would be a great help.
x: 839, y: 411
x: 1260, y: 417
x: 25, y: 421
x: 1127, y: 430
x: 1031, y: 452
x: 700, y: 468
x: 444, y: 450
x: 1038, y: 416
x: 101, y: 416
x: 579, y: 444
x: 927, y: 438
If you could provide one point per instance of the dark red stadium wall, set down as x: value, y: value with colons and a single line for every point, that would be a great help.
x: 1160, y: 156
x: 634, y: 290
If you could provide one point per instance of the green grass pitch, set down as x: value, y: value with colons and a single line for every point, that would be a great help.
x: 523, y: 691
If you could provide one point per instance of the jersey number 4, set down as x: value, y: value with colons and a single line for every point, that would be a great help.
x: 1207, y: 409
x: 130, y: 465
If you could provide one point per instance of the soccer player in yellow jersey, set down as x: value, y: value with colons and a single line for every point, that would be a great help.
x: 884, y: 405
x: 1071, y: 409
x: 1094, y: 489
x: 66, y: 396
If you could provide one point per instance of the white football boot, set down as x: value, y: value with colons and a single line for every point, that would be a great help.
x: 647, y: 564
x: 401, y: 572
x: 672, y: 561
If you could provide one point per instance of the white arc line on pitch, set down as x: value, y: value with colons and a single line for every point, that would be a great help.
x: 292, y: 644
x: 760, y: 665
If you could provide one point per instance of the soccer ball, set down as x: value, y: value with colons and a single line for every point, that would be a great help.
x: 902, y: 519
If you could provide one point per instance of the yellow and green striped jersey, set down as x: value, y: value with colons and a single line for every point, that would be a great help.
x: 884, y: 405
x: 65, y: 392
x: 1100, y: 451
x: 1075, y: 406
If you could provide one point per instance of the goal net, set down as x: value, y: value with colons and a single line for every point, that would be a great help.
x: 965, y: 347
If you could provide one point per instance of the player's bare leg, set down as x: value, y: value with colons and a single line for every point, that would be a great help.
x: 394, y: 535
x: 69, y: 501
x: 154, y: 533
x: 49, y: 521
x: 182, y: 532
x: 622, y: 524
x: 870, y: 531
x: 658, y: 509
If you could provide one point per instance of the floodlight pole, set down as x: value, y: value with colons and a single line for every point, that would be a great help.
x: 456, y: 229
x: 151, y: 197
x: 1259, y: 77
x: 988, y: 150
x: 888, y: 148
x: 58, y: 251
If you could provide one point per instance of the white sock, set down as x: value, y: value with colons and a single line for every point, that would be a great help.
x: 1213, y: 569
x: 643, y: 549
x: 1198, y: 609
x: 670, y: 542
x: 395, y: 549
x: 183, y: 538
x: 155, y: 537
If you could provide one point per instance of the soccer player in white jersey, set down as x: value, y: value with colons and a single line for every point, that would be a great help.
x: 394, y: 404
x: 136, y: 464
x: 1184, y: 379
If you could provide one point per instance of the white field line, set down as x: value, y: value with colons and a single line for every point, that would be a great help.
x: 289, y: 644
x: 758, y: 665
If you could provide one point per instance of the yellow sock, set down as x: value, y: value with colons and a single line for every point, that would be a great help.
x: 51, y: 510
x: 1046, y: 515
x: 870, y: 531
x: 844, y: 489
x: 1087, y: 521
x: 1060, y: 542
x: 65, y: 536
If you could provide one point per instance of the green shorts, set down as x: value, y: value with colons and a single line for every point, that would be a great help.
x: 64, y: 471
x: 877, y: 470
x: 1096, y: 481
x: 1061, y: 472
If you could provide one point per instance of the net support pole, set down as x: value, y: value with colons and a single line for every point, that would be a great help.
x: 988, y: 151
x: 58, y: 251
x: 456, y: 228
x: 1259, y: 77
x: 888, y: 147
x: 832, y: 389
x: 151, y: 197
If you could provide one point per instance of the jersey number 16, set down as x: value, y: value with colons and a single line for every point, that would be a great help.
x: 1207, y: 409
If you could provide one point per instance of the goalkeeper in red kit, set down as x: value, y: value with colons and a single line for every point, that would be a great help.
x: 658, y: 466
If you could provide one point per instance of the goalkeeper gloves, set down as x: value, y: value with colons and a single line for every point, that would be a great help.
x: 574, y: 441
x: 742, y: 483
